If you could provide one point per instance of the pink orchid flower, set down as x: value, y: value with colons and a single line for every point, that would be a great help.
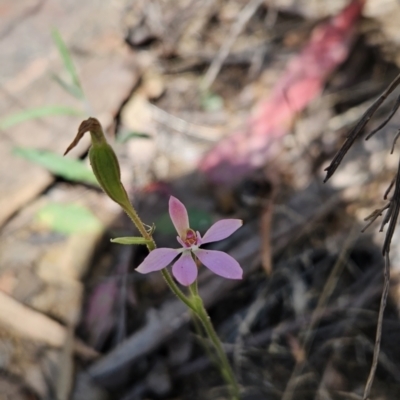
x: 185, y: 268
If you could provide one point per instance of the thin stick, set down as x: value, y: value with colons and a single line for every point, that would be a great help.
x: 384, y: 123
x: 372, y: 217
x: 391, y: 217
x: 392, y: 214
x: 395, y: 140
x: 378, y: 337
x: 357, y: 130
x: 389, y: 189
x: 245, y: 14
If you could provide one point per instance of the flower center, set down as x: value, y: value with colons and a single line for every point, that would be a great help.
x: 191, y: 238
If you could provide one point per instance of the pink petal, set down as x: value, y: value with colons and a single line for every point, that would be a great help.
x: 185, y: 269
x: 221, y: 230
x: 157, y: 259
x: 220, y: 263
x: 179, y: 216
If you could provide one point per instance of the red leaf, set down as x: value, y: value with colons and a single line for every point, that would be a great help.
x: 303, y: 81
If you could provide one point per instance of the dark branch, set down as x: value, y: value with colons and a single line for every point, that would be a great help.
x: 392, y: 214
x: 384, y: 123
x: 372, y: 217
x: 357, y: 130
x: 389, y: 189
x: 395, y: 140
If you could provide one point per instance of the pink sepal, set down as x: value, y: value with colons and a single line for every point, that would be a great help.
x: 220, y: 263
x: 221, y: 230
x: 157, y: 259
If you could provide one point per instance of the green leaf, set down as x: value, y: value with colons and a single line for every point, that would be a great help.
x: 69, y: 88
x: 68, y: 218
x: 130, y: 240
x: 199, y: 221
x: 125, y: 136
x: 67, y: 168
x: 39, y: 112
x: 67, y: 59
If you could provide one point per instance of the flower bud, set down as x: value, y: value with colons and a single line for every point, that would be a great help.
x: 103, y: 160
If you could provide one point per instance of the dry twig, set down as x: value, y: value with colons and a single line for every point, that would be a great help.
x: 375, y: 214
x: 385, y: 122
x: 244, y: 16
x: 357, y: 130
x: 389, y: 189
x: 395, y: 140
x: 378, y: 336
x: 391, y: 216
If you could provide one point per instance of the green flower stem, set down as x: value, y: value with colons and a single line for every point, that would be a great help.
x: 225, y: 367
x: 198, y: 327
x: 175, y: 289
x: 133, y: 215
x: 194, y: 290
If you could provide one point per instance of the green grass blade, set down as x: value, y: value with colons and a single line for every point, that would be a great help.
x: 67, y: 59
x: 39, y: 112
x: 69, y: 88
x: 126, y: 136
x: 67, y: 168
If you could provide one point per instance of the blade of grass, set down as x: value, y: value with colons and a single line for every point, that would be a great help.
x: 67, y: 60
x: 39, y: 112
x: 67, y: 168
x: 69, y: 88
x: 126, y: 136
